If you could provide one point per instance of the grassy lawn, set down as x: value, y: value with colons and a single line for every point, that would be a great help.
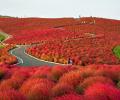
x: 116, y: 51
x: 1, y: 46
x: 2, y: 37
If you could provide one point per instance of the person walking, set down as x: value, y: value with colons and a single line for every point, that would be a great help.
x: 70, y: 61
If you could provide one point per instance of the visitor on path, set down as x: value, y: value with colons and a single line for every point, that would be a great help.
x: 70, y: 61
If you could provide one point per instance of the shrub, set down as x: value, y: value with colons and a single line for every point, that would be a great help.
x: 95, y: 79
x: 102, y: 91
x: 42, y: 72
x: 11, y: 95
x: 57, y: 72
x: 4, y: 72
x: 61, y: 89
x: 87, y: 72
x: 109, y: 71
x: 79, y: 89
x: 70, y: 97
x: 71, y: 78
x: 1, y: 74
x: 37, y: 89
x: 11, y: 84
x: 116, y: 51
x: 23, y: 75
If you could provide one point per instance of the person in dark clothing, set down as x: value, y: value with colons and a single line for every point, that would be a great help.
x: 70, y: 61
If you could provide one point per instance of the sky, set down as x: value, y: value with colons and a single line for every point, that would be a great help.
x: 61, y: 8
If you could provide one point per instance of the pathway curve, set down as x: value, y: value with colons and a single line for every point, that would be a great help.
x: 26, y: 60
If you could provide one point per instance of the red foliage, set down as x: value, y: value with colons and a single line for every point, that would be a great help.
x: 10, y: 84
x: 82, y: 51
x: 87, y: 72
x: 39, y: 36
x: 11, y: 95
x: 5, y: 73
x: 112, y: 72
x: 5, y: 57
x: 91, y: 43
x: 37, y: 89
x: 96, y: 79
x: 42, y: 72
x: 87, y: 40
x: 71, y: 78
x: 102, y: 92
x: 93, y: 82
x: 62, y: 89
x: 15, y: 81
x: 70, y: 97
x: 58, y: 71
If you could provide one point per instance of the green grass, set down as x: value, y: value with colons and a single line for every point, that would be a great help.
x: 2, y: 37
x: 116, y: 51
x: 1, y: 46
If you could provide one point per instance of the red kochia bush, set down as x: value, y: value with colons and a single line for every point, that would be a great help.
x: 70, y: 97
x: 72, y: 78
x: 37, y: 89
x: 108, y: 71
x: 62, y: 89
x: 4, y: 72
x: 19, y: 74
x: 16, y: 80
x: 95, y: 79
x: 58, y: 71
x: 101, y: 91
x: 87, y: 72
x: 11, y: 95
x: 10, y: 84
x: 42, y: 72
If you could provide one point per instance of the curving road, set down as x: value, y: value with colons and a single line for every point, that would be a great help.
x: 27, y: 60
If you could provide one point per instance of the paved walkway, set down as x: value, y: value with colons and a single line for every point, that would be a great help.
x: 26, y: 60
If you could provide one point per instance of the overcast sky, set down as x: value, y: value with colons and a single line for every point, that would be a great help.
x: 61, y: 8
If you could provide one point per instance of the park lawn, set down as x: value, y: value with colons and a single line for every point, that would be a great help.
x: 116, y: 51
x: 1, y: 46
x: 2, y: 37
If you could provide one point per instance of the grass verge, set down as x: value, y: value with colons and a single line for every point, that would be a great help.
x: 2, y: 37
x: 116, y: 51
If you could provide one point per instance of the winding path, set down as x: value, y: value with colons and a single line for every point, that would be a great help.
x: 26, y: 60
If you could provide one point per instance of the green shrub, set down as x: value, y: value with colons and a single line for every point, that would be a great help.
x: 116, y: 51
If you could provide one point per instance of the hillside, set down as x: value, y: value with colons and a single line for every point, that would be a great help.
x: 80, y: 59
x: 85, y: 40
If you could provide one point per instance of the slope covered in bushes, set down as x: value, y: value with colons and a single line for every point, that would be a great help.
x: 93, y: 82
x: 74, y: 27
x: 85, y: 40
